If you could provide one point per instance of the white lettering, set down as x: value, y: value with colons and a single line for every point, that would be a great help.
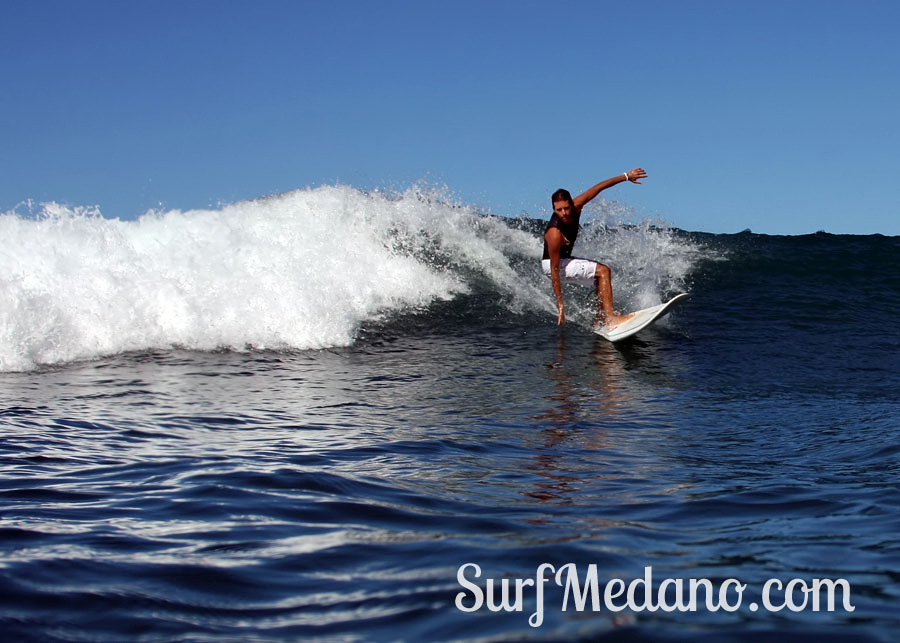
x: 640, y: 595
x: 505, y: 603
x: 831, y: 586
x: 647, y: 582
x: 572, y: 585
x: 789, y: 595
x: 472, y: 587
x: 679, y: 596
x: 608, y: 595
x: 537, y: 617
x: 723, y: 595
x: 767, y: 588
x: 707, y: 591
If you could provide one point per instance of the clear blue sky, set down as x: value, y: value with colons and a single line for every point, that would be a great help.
x: 780, y: 116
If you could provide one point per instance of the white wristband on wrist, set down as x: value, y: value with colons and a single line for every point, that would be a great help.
x: 626, y: 176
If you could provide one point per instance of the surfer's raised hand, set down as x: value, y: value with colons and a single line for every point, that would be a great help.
x: 635, y: 174
x: 582, y: 199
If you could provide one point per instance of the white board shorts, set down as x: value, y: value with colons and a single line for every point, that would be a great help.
x: 574, y: 270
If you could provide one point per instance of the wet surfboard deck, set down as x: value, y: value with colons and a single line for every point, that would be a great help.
x: 639, y: 320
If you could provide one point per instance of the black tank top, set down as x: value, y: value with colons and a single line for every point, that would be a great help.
x: 569, y: 231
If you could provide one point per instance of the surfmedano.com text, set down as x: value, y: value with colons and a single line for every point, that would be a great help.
x: 641, y: 594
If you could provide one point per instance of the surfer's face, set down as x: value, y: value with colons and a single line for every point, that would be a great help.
x: 563, y: 209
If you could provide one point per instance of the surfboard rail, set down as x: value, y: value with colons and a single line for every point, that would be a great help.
x: 639, y: 320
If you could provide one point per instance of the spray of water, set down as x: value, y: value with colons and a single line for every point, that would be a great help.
x: 301, y: 270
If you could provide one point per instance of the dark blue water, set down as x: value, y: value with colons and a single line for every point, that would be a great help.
x: 334, y: 494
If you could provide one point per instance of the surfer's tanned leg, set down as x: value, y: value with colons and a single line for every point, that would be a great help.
x: 606, y: 316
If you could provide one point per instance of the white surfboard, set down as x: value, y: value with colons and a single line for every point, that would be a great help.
x: 639, y: 320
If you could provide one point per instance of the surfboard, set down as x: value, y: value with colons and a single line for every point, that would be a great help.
x: 639, y: 320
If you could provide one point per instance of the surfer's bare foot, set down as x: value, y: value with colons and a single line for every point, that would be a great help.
x: 611, y: 321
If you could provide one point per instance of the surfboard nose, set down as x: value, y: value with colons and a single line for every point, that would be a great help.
x: 639, y: 320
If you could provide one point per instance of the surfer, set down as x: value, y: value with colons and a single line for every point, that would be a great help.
x: 559, y: 239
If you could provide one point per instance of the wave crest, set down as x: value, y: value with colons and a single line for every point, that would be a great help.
x: 301, y: 270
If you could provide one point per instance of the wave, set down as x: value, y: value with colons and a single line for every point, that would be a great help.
x: 301, y: 270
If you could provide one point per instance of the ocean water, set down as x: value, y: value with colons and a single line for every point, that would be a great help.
x: 310, y: 416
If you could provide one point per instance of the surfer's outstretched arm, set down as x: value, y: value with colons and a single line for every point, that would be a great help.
x: 632, y: 175
x: 555, y: 241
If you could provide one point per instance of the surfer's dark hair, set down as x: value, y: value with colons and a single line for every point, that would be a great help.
x: 562, y: 195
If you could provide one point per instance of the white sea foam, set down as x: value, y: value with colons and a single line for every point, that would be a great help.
x: 301, y: 270
x: 648, y: 259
